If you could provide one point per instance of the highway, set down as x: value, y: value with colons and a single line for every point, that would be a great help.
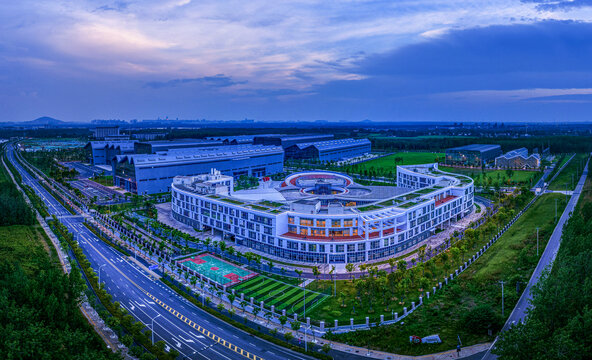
x: 183, y: 326
x: 547, y: 258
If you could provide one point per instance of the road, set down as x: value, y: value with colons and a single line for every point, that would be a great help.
x: 547, y: 258
x: 183, y: 326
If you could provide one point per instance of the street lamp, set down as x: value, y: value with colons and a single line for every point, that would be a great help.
x: 556, y: 210
x: 153, y: 328
x: 100, y: 267
x: 502, y: 282
x: 537, y: 240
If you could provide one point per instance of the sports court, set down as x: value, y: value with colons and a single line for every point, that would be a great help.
x: 220, y: 271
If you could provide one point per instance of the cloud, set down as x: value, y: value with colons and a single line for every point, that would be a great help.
x: 217, y: 81
x: 546, y: 5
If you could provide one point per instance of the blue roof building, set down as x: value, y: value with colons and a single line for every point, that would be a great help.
x: 327, y: 151
x: 286, y: 141
x: 102, y: 152
x: 152, y: 147
x: 474, y: 155
x: 153, y: 173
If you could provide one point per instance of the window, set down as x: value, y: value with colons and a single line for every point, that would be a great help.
x: 290, y: 219
x: 336, y: 223
x: 306, y: 222
x: 321, y: 223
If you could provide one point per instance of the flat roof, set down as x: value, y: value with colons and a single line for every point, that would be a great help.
x: 334, y: 144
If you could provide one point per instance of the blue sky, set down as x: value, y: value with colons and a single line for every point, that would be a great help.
x: 444, y: 60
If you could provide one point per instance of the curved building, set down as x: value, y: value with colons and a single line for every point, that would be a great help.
x: 325, y: 217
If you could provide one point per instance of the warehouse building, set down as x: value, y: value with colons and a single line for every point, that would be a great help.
x: 518, y: 159
x: 475, y: 155
x: 152, y: 147
x: 102, y: 132
x: 102, y: 152
x: 286, y: 141
x: 153, y: 173
x: 327, y: 151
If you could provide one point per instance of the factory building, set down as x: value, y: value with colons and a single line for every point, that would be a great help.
x: 102, y: 152
x: 325, y: 217
x: 153, y: 173
x: 286, y: 141
x: 475, y: 155
x: 327, y: 151
x: 102, y: 132
x: 518, y: 159
x: 152, y: 147
x: 233, y: 140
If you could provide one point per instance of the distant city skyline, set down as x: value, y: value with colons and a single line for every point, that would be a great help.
x: 450, y: 61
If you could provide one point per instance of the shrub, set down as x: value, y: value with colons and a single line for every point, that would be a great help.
x: 481, y: 318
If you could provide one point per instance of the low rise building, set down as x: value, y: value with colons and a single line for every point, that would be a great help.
x: 153, y: 173
x: 475, y: 155
x: 327, y: 151
x: 325, y: 217
x: 518, y: 159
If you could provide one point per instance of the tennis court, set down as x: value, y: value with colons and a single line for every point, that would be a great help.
x: 218, y: 270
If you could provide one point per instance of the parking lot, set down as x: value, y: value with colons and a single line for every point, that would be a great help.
x: 104, y: 195
x: 85, y: 171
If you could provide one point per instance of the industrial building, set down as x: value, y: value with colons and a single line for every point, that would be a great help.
x: 327, y: 151
x: 518, y: 159
x: 325, y: 217
x: 152, y: 147
x: 102, y: 132
x: 475, y: 155
x: 153, y: 173
x: 102, y: 152
x: 233, y: 140
x: 286, y: 141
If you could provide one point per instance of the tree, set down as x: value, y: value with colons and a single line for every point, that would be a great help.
x: 268, y: 315
x: 283, y: 320
x: 288, y: 336
x: 295, y: 325
x: 326, y: 348
x: 350, y: 268
x: 316, y: 272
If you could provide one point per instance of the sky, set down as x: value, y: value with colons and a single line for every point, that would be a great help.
x: 347, y: 60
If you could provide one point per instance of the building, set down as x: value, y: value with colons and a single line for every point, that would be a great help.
x: 475, y: 155
x: 153, y: 173
x: 326, y: 217
x: 148, y: 136
x: 235, y: 140
x: 327, y: 151
x: 518, y: 159
x: 286, y: 141
x: 102, y: 132
x: 152, y: 147
x: 102, y: 152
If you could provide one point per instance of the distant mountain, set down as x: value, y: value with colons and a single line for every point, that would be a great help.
x: 44, y: 120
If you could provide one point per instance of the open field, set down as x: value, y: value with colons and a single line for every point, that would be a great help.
x: 518, y: 177
x: 570, y: 174
x: 471, y: 304
x: 283, y: 296
x: 387, y: 165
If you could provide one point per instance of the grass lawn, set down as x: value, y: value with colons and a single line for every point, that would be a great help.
x: 409, y: 158
x: 25, y: 244
x: 472, y: 302
x: 586, y: 195
x: 283, y: 296
x: 104, y: 180
x: 565, y: 176
x: 519, y: 177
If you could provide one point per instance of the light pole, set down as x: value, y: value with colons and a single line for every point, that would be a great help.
x: 100, y: 267
x: 502, y: 282
x: 153, y: 328
x: 537, y: 240
x: 555, y: 210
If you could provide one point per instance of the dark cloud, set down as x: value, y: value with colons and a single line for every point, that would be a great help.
x: 217, y: 81
x: 116, y: 6
x: 559, y: 4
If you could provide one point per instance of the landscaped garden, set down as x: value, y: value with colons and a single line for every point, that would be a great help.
x: 470, y: 306
x: 497, y: 177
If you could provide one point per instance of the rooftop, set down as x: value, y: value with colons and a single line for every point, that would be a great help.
x: 477, y: 147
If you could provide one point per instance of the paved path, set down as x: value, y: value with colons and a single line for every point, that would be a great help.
x: 547, y: 258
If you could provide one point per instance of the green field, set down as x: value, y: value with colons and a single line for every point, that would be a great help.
x: 570, y: 174
x: 386, y: 166
x: 471, y: 304
x: 281, y: 295
x: 518, y: 177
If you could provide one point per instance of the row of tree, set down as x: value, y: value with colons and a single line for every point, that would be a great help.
x: 559, y: 323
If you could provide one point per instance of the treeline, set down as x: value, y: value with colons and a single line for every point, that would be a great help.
x: 47, y: 162
x: 559, y: 326
x: 558, y: 144
x: 13, y: 208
